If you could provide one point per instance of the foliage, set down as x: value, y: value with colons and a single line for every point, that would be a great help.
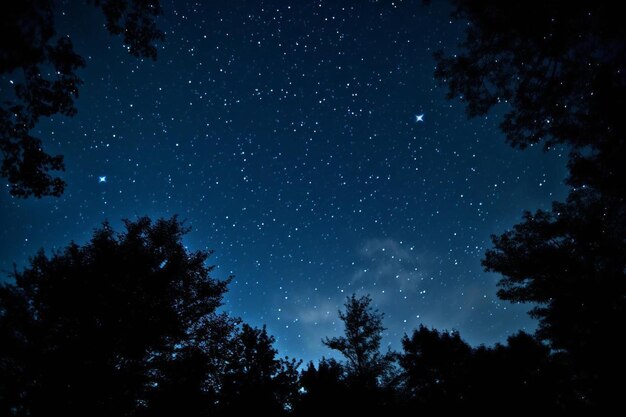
x: 254, y: 379
x: 443, y: 373
x: 434, y: 365
x: 557, y: 69
x: 88, y: 327
x: 571, y: 262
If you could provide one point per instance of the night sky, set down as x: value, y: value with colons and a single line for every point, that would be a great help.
x: 286, y: 134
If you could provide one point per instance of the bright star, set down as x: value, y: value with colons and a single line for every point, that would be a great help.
x: 102, y: 179
x: 419, y: 118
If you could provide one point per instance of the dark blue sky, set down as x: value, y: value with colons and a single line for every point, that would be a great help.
x: 285, y: 133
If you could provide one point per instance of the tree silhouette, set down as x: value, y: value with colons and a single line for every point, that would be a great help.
x: 571, y: 263
x: 100, y: 327
x: 521, y: 373
x: 179, y: 385
x: 442, y: 373
x: 556, y: 68
x: 363, y: 328
x: 255, y: 380
x: 322, y: 386
x: 435, y: 367
x: 43, y: 69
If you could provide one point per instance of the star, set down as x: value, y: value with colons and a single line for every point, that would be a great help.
x: 419, y: 118
x: 102, y: 179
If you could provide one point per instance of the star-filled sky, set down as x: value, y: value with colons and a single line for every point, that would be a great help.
x: 286, y: 133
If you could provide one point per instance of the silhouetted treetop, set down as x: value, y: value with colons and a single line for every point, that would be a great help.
x: 43, y: 72
x: 434, y: 364
x: 97, y: 327
x: 558, y: 66
x: 128, y: 324
x: 325, y: 390
x: 255, y: 379
x: 571, y: 262
x: 360, y: 345
x: 442, y: 373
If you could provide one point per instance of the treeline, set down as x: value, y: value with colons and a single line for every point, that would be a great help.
x: 129, y: 325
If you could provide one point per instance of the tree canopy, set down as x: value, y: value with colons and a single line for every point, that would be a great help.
x: 88, y: 324
x: 557, y: 70
x: 128, y: 324
x: 571, y: 263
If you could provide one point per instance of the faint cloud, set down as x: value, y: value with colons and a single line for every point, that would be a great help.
x: 322, y: 312
x: 388, y: 265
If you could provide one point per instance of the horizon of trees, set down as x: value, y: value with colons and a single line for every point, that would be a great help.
x: 130, y: 324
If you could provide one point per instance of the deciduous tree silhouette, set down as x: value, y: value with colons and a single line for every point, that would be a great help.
x: 557, y: 68
x: 179, y: 385
x: 571, y: 262
x: 42, y: 68
x: 435, y: 368
x: 98, y: 328
x: 324, y: 388
x: 255, y: 380
x: 442, y: 373
x: 521, y: 373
